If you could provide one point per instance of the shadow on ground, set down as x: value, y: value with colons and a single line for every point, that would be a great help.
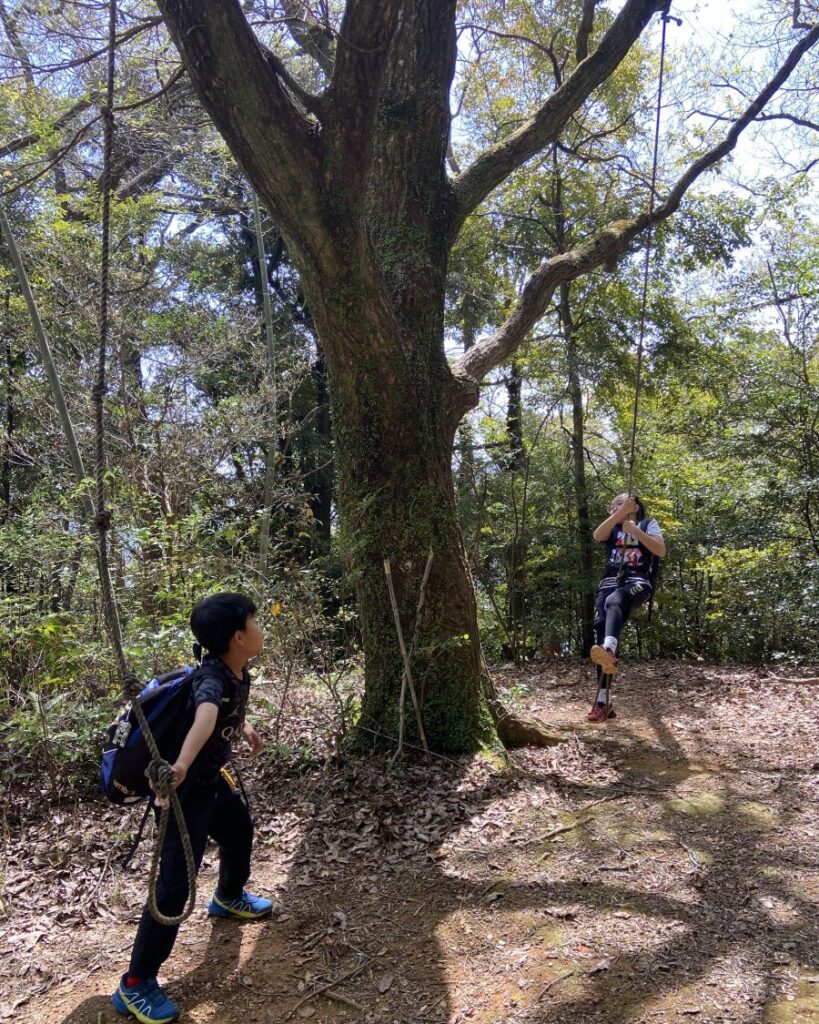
x: 633, y: 875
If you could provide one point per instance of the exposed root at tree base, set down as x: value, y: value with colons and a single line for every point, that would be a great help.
x: 519, y: 730
x: 804, y: 681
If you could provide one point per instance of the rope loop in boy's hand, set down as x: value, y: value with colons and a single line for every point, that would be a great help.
x: 160, y: 776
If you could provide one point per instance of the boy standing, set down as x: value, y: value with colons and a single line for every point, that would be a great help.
x: 225, y: 626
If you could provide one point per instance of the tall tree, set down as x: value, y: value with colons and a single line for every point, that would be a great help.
x: 355, y: 178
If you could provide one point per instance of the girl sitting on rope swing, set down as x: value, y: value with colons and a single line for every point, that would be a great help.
x: 631, y: 540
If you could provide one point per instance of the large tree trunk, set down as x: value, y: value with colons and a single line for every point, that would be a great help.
x: 394, y: 428
x: 366, y: 210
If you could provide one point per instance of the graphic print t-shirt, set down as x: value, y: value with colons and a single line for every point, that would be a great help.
x: 623, y: 549
x: 214, y: 683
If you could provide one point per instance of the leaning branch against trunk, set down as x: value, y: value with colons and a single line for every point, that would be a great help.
x: 610, y: 244
x: 406, y: 677
x: 499, y: 161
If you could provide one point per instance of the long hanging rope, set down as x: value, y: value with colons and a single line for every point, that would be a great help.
x: 666, y: 17
x: 159, y: 771
x: 270, y: 341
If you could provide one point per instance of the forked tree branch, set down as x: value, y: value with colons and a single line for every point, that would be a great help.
x: 611, y: 243
x: 497, y: 163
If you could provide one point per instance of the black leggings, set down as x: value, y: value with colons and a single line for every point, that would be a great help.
x: 614, y: 604
x: 217, y: 811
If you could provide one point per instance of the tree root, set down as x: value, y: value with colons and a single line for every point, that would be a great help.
x: 519, y: 730
x: 808, y: 681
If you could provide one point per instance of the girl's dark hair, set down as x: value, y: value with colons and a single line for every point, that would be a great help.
x: 641, y: 509
x: 216, y: 618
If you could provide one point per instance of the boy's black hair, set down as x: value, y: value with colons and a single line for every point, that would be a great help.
x: 216, y: 618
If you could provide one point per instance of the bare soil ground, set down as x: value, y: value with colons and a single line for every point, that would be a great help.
x: 660, y: 868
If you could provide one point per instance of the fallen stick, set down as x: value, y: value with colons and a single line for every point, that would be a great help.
x: 339, y: 998
x: 559, y: 831
x: 330, y: 984
x: 603, y: 800
x: 563, y: 828
x: 407, y: 670
x: 554, y: 981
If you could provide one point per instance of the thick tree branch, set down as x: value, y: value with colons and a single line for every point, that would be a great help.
x: 498, y: 162
x: 609, y: 245
x: 311, y: 103
x: 407, y: 189
x: 801, y: 122
x: 275, y: 144
x: 362, y: 54
x: 150, y: 176
x: 9, y: 22
x: 584, y: 30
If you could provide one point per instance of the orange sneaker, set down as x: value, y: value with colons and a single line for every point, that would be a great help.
x: 605, y: 658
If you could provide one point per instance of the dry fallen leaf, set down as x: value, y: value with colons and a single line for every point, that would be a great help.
x: 384, y: 983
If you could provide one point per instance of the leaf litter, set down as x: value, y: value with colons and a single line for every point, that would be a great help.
x: 663, y: 867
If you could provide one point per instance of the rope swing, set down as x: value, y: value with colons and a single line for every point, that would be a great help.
x: 666, y: 17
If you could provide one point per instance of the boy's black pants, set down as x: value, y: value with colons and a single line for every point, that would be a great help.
x: 214, y: 810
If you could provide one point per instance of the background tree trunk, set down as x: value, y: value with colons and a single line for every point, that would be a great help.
x: 581, y: 493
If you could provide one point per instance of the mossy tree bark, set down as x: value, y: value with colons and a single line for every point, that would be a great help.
x: 356, y: 181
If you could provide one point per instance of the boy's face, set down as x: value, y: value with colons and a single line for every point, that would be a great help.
x: 250, y: 640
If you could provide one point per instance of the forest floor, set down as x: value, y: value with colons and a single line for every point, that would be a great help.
x: 661, y: 868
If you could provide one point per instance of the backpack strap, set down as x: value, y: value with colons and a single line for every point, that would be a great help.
x: 653, y: 571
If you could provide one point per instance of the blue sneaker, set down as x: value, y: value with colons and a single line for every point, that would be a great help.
x: 246, y: 907
x: 145, y: 1001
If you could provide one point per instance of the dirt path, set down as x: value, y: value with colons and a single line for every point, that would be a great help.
x: 661, y: 868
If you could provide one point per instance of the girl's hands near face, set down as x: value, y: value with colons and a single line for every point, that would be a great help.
x: 623, y: 508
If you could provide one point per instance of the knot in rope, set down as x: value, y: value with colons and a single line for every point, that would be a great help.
x: 160, y: 776
x: 103, y: 519
x: 132, y: 685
